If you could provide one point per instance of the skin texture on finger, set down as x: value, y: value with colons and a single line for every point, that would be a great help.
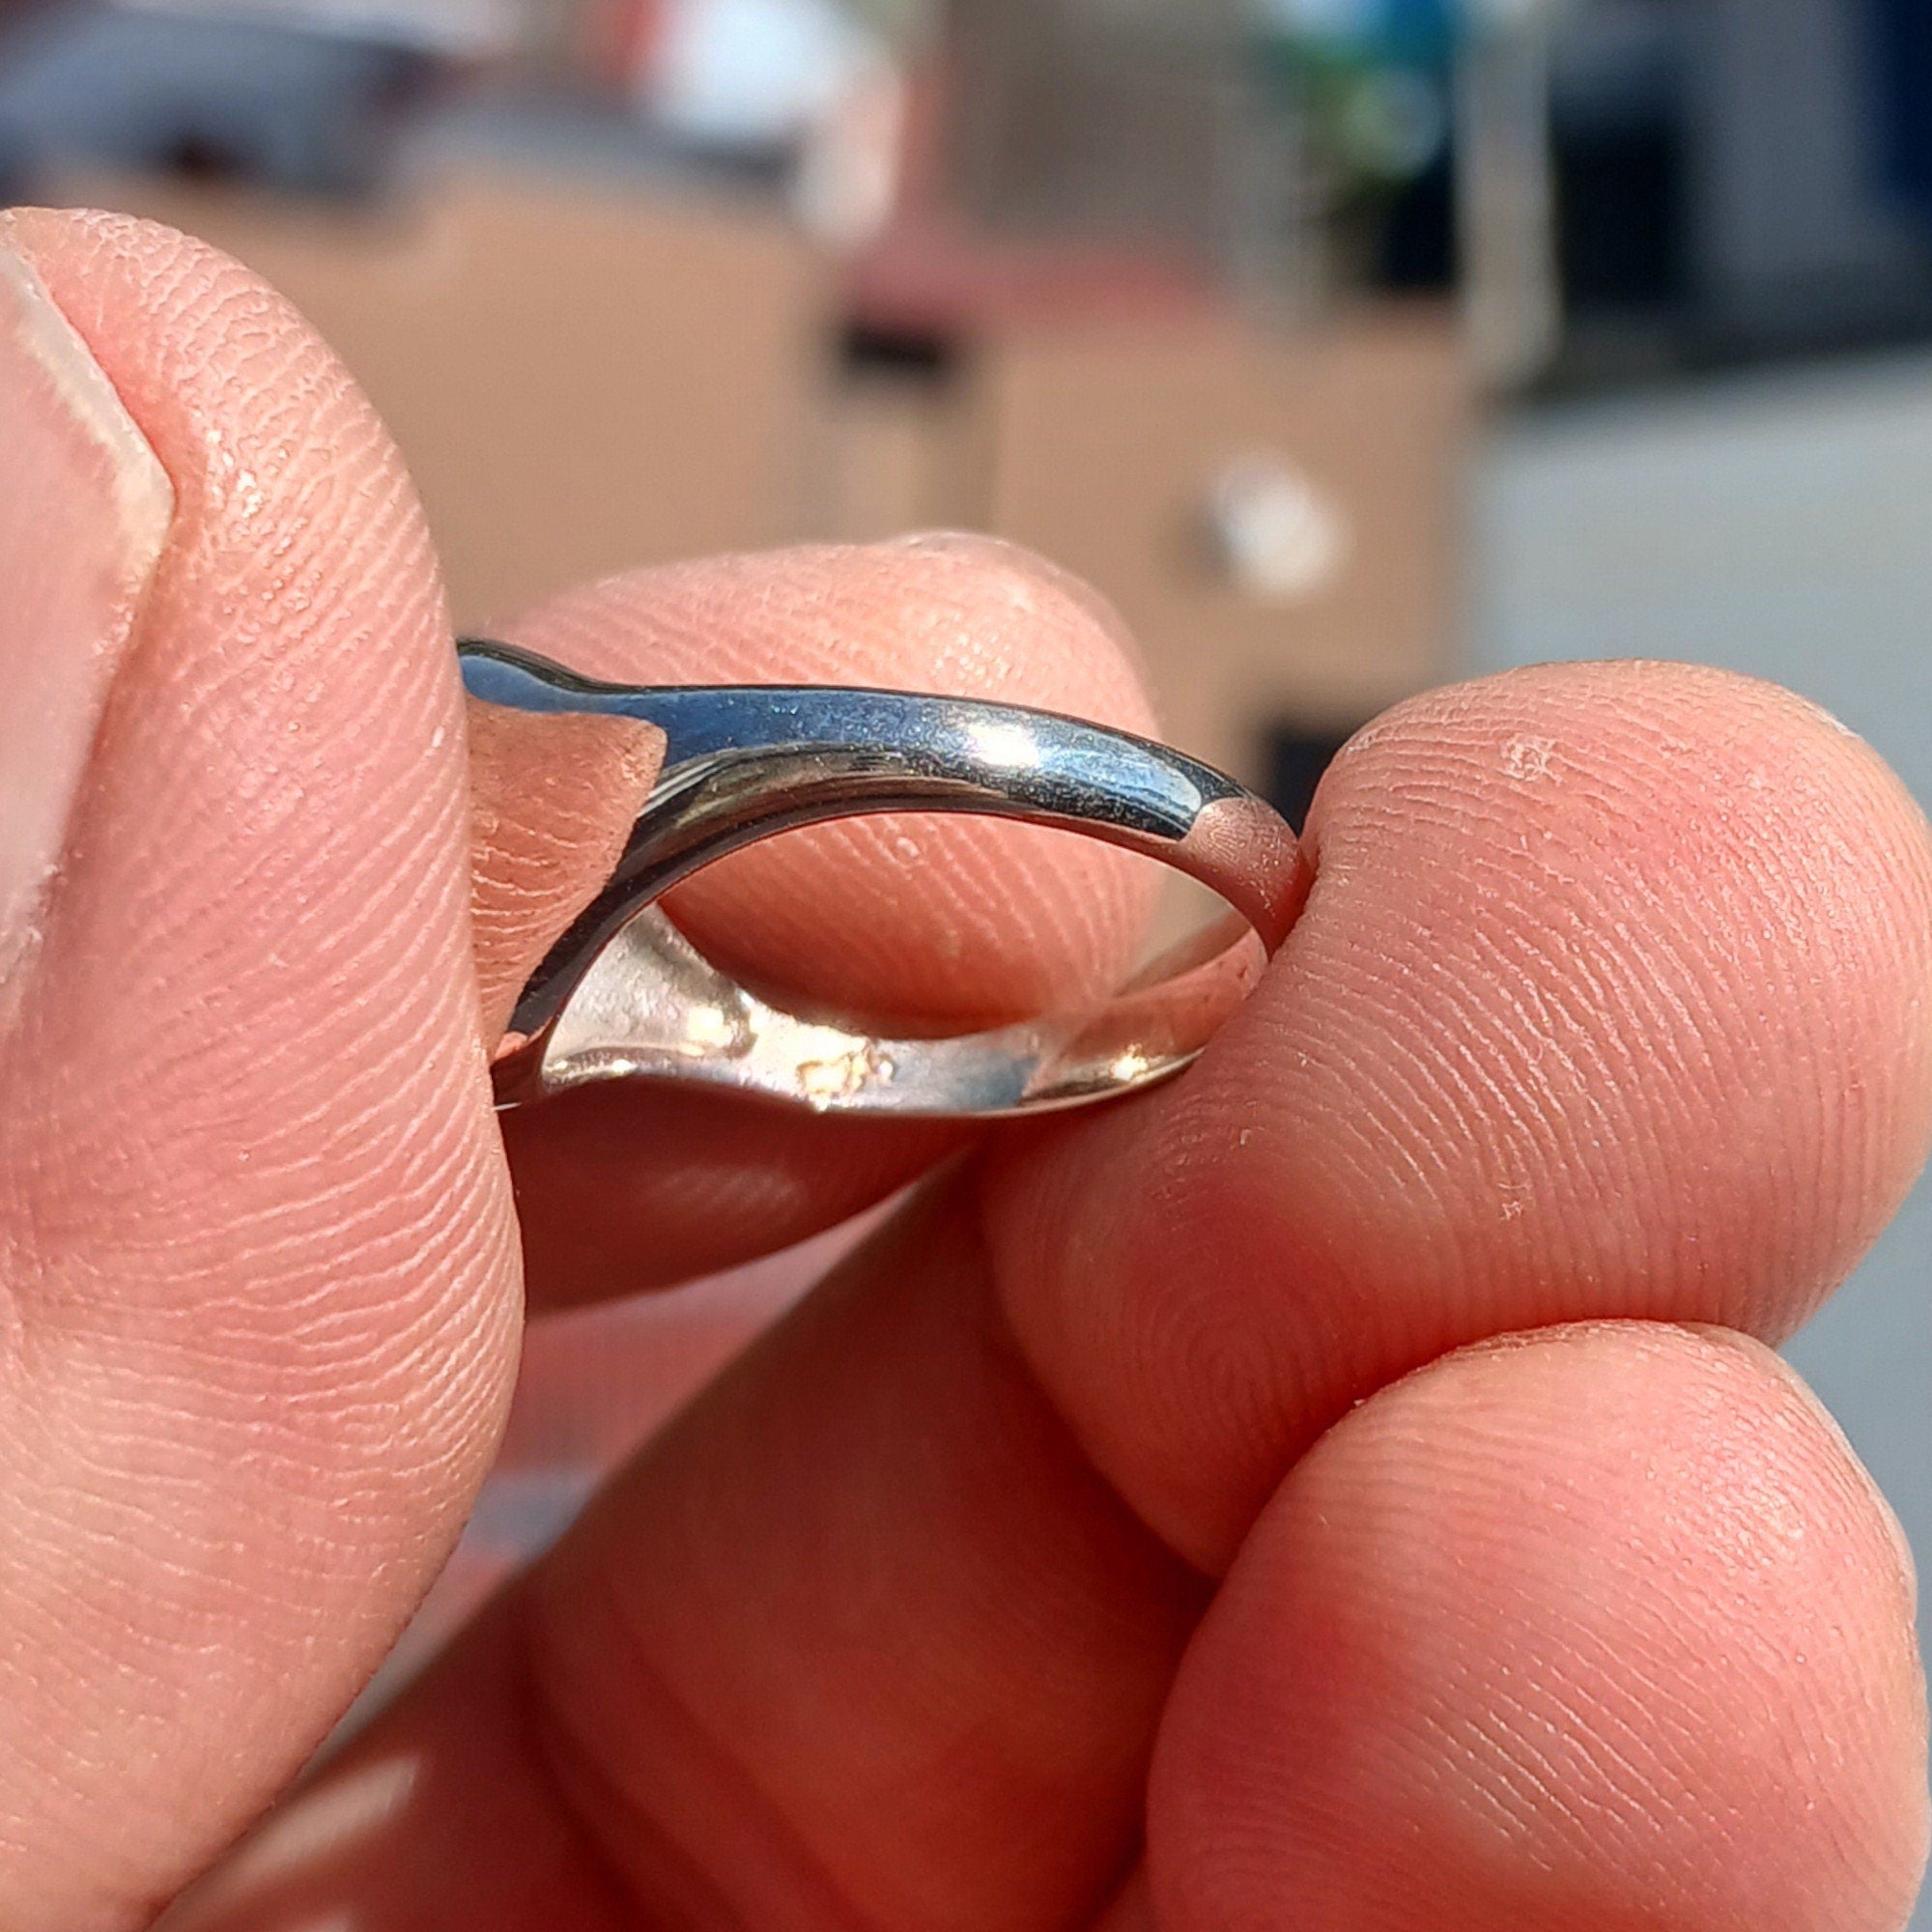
x: 258, y: 1255
x: 467, y: 1833
x: 860, y: 1642
x: 906, y: 1670
x: 1600, y: 1630
x: 829, y: 1657
x: 622, y: 1189
x: 933, y: 923
x: 1609, y: 999
x: 551, y: 803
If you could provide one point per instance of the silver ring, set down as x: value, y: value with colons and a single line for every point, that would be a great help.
x: 624, y: 995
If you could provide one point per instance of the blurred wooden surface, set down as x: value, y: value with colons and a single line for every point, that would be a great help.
x: 582, y: 378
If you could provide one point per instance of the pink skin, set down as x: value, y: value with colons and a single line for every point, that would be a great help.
x: 1446, y: 1683
x: 1608, y: 1003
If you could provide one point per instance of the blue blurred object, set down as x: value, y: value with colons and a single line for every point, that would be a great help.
x: 1903, y: 76
x: 287, y: 105
x: 1399, y: 33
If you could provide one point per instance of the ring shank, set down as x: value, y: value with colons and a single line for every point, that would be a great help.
x: 624, y: 995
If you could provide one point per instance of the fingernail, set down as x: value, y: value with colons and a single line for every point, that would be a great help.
x: 85, y: 507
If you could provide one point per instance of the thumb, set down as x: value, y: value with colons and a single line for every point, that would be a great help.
x: 256, y: 1249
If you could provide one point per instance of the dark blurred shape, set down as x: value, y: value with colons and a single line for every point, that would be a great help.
x: 1732, y: 181
x: 1416, y: 253
x: 1903, y: 70
x: 1797, y: 241
x: 1297, y: 757
x: 1736, y: 180
x: 877, y: 349
x: 286, y: 104
x: 1621, y: 191
x: 1618, y: 104
x: 1361, y: 93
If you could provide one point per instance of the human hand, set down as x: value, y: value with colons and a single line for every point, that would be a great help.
x: 1335, y: 1491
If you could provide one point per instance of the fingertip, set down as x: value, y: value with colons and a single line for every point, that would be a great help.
x: 1600, y: 1627
x: 1648, y: 933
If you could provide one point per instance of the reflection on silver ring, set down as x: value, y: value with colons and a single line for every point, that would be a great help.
x: 623, y: 994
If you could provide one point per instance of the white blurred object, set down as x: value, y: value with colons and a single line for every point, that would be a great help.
x: 845, y: 184
x: 1279, y: 535
x: 754, y: 74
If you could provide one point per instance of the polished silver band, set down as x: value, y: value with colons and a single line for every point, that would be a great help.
x: 624, y: 995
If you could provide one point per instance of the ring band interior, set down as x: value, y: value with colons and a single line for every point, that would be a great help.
x: 625, y: 994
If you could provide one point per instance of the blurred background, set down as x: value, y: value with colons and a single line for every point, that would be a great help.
x: 1349, y: 346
